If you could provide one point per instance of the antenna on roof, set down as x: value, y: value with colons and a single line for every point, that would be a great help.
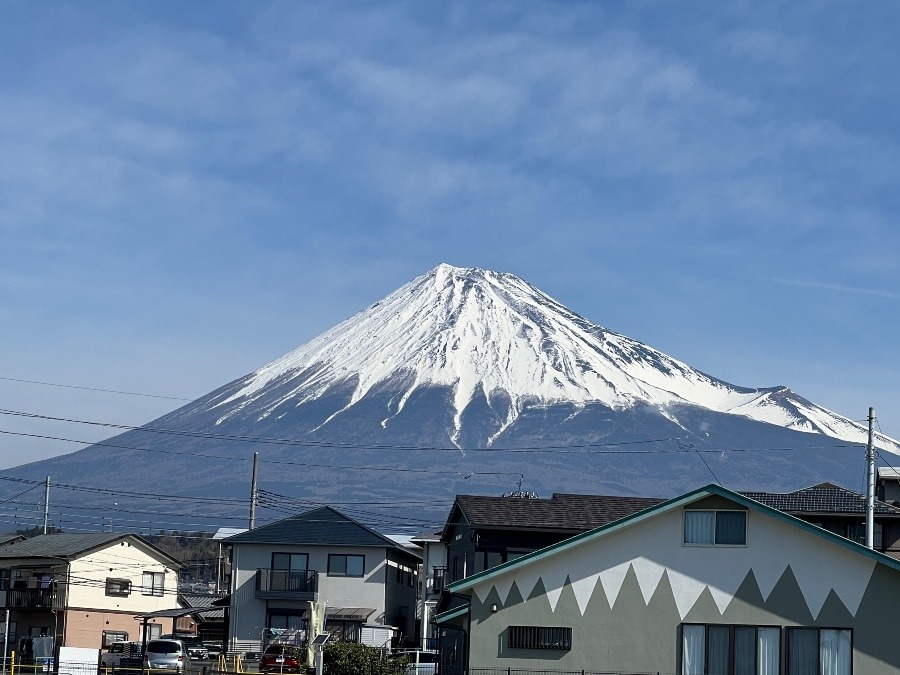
x: 518, y: 494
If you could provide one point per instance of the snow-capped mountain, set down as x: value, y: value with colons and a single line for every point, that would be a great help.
x: 495, y: 337
x: 468, y: 381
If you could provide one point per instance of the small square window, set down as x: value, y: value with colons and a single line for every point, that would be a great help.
x: 118, y: 587
x: 154, y: 583
x: 715, y: 528
x: 346, y: 565
x: 111, y: 637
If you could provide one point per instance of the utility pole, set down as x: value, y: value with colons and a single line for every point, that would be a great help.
x: 46, y: 502
x: 253, y: 495
x: 870, y: 483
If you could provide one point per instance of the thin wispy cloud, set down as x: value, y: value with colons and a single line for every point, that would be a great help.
x: 841, y: 288
x: 229, y: 185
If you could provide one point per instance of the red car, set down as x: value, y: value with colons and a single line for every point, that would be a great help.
x: 281, y: 659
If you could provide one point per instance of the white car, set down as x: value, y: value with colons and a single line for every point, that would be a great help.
x: 112, y: 656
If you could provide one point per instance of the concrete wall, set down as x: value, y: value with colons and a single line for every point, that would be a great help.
x: 625, y: 595
x: 248, y: 615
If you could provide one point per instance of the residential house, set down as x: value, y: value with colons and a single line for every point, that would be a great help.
x: 483, y: 532
x: 709, y: 582
x: 84, y: 589
x: 888, y: 485
x: 208, y: 623
x: 282, y: 571
x: 432, y: 578
x: 840, y: 511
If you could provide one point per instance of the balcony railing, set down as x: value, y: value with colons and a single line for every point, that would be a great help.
x: 29, y: 598
x: 288, y: 584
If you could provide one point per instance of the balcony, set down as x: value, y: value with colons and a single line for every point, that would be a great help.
x: 287, y: 584
x: 29, y: 598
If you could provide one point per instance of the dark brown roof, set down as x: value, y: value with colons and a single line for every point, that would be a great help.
x: 822, y: 498
x: 560, y: 512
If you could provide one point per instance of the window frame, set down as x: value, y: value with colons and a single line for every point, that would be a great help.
x: 124, y: 587
x: 333, y: 572
x: 153, y: 589
x: 290, y: 556
x: 554, y: 638
x: 109, y: 638
x: 782, y: 644
x: 818, y: 629
x: 715, y: 529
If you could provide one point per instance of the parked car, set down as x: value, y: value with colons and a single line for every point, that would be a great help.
x: 281, y: 659
x: 117, y: 652
x: 193, y: 643
x: 214, y: 648
x: 418, y: 661
x: 166, y: 655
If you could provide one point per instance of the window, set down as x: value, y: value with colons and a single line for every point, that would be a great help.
x: 719, y: 528
x: 111, y: 636
x: 118, y: 587
x: 346, y: 565
x: 741, y: 650
x: 819, y: 651
x: 289, y: 573
x: 858, y: 534
x: 154, y: 583
x: 540, y: 637
x: 286, y: 619
x: 290, y: 561
x: 4, y: 580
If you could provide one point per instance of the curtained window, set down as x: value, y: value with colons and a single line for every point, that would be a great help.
x: 719, y: 528
x: 730, y: 650
x: 819, y: 651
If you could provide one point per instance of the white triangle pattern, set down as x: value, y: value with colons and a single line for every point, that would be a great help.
x: 654, y: 547
x: 685, y: 588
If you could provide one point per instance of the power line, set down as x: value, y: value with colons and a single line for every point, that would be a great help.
x: 107, y: 391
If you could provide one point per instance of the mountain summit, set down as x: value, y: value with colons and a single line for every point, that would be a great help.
x: 469, y: 381
x: 491, y: 338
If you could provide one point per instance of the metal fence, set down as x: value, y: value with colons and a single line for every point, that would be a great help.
x: 544, y: 671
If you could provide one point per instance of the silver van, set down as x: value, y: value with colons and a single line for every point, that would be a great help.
x: 166, y: 655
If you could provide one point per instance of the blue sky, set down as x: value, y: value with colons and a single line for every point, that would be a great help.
x: 189, y: 190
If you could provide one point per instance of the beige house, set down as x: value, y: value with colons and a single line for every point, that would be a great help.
x: 85, y: 589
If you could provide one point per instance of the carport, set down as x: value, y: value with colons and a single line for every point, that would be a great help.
x: 174, y: 614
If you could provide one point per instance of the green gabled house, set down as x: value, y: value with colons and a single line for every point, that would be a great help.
x: 712, y: 582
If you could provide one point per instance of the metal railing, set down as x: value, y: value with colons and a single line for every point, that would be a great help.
x: 30, y: 598
x: 289, y: 581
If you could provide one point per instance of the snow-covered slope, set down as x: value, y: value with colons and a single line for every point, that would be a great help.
x: 483, y: 333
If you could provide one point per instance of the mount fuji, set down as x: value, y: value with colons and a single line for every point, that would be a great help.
x: 468, y: 380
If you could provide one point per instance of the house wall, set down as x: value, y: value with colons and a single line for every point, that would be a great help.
x: 248, y: 614
x: 434, y: 554
x: 85, y: 628
x: 122, y: 560
x: 626, y: 594
x: 400, y: 594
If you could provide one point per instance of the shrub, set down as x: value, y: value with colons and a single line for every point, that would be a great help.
x: 350, y: 658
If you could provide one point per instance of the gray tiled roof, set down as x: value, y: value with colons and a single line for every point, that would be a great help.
x: 58, y: 545
x: 560, y: 512
x: 822, y: 498
x: 323, y: 526
x: 202, y: 601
